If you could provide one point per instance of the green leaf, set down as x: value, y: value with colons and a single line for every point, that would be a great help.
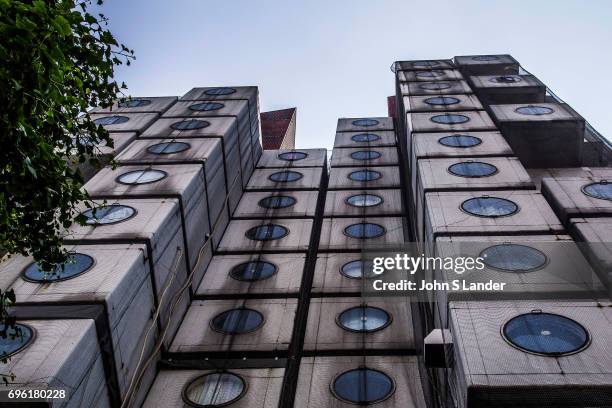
x: 62, y: 25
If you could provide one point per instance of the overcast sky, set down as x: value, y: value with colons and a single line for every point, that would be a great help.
x: 331, y: 58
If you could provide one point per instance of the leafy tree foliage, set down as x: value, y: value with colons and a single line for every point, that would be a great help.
x: 56, y: 60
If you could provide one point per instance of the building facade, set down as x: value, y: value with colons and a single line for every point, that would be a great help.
x: 278, y: 129
x: 217, y: 273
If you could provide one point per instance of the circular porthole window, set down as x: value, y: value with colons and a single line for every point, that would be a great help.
x: 277, y: 201
x: 292, y: 156
x: 168, y: 147
x: 442, y: 100
x: 191, y: 124
x: 134, y: 103
x: 489, y: 207
x: 365, y: 137
x: 363, y: 386
x: 534, y: 110
x: 76, y: 265
x: 206, y: 106
x: 506, y: 79
x: 214, y: 390
x: 237, y: 321
x: 364, y: 230
x: 365, y: 122
x: 110, y: 214
x: 142, y: 176
x: 472, y: 169
x: 513, y: 258
x: 267, y: 232
x: 220, y: 91
x: 460, y: 141
x: 450, y: 119
x: 435, y: 86
x: 253, y: 271
x: 365, y: 175
x: 546, y: 334
x: 364, y: 200
x: 425, y: 64
x: 358, y: 269
x: 429, y: 74
x: 286, y: 176
x: 365, y: 155
x: 17, y: 338
x: 601, y: 190
x: 364, y: 319
x: 485, y: 58
x: 111, y: 120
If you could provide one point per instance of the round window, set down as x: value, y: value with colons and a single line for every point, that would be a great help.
x: 506, y: 79
x: 77, y: 264
x: 191, y: 124
x: 489, y: 207
x: 277, y: 201
x: 435, y: 86
x: 442, y: 100
x: 237, y: 321
x: 364, y: 319
x: 142, y: 176
x: 513, y: 258
x: 365, y: 155
x: 206, y: 106
x: 364, y: 230
x: 220, y: 91
x: 363, y: 386
x: 450, y: 119
x: 292, y: 156
x: 546, y: 333
x: 364, y: 200
x: 214, y: 390
x: 365, y: 175
x: 601, y: 190
x: 460, y: 141
x: 534, y: 110
x: 110, y: 214
x: 285, y: 176
x: 485, y: 58
x: 429, y: 74
x: 425, y: 64
x: 365, y: 137
x: 358, y: 269
x: 111, y: 120
x: 472, y: 169
x: 267, y: 232
x: 168, y: 147
x: 17, y: 338
x: 134, y: 103
x: 365, y: 122
x: 253, y: 271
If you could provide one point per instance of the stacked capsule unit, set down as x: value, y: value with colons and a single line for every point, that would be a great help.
x: 582, y: 198
x: 140, y: 253
x: 125, y: 121
x: 358, y: 350
x: 470, y: 192
x: 550, y: 140
x: 237, y: 337
x: 241, y: 103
